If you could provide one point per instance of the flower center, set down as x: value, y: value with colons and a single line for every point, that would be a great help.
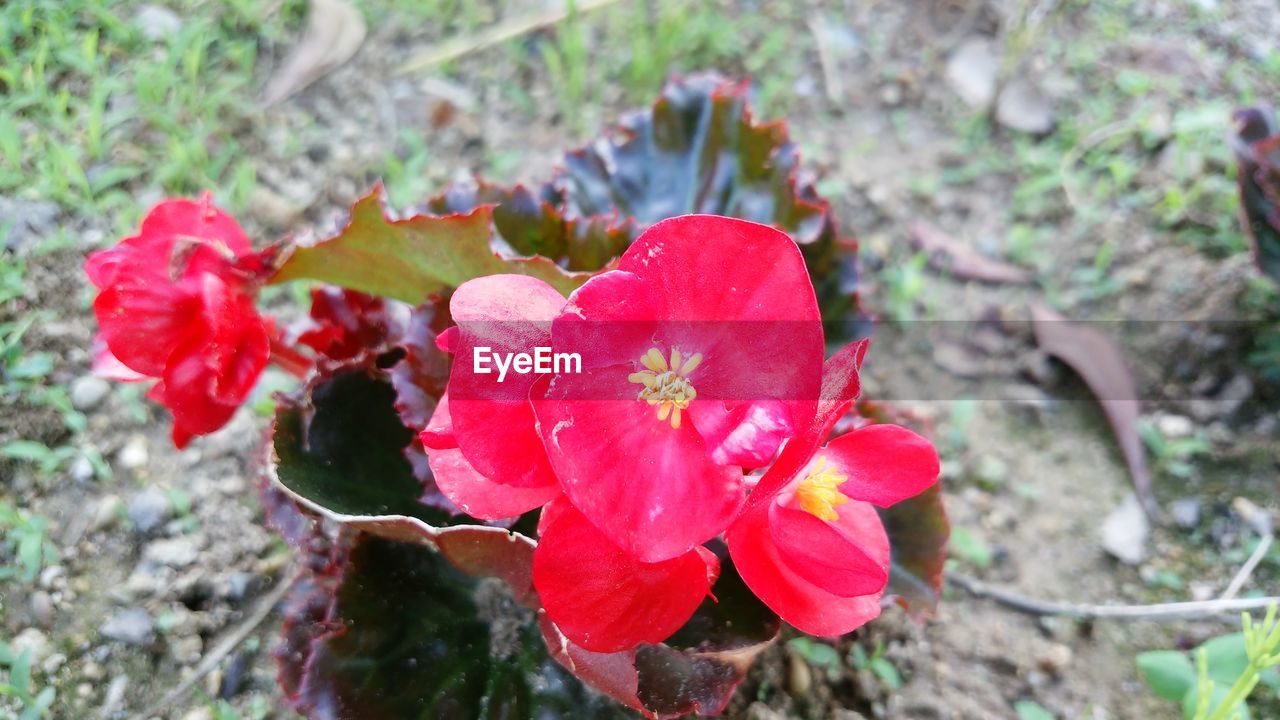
x: 666, y: 384
x: 819, y: 493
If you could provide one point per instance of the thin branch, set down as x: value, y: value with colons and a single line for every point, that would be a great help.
x: 211, y: 659
x: 494, y: 35
x: 1260, y: 521
x: 1160, y: 611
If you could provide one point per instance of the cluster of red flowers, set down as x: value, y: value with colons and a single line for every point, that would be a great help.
x: 176, y: 304
x: 698, y: 411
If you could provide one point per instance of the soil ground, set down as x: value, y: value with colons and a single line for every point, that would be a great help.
x: 160, y: 561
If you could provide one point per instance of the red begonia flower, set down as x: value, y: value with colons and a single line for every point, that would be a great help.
x: 482, y: 441
x: 701, y: 353
x: 810, y: 544
x: 602, y: 598
x: 174, y: 305
x: 472, y: 492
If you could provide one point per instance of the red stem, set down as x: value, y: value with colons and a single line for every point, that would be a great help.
x: 289, y: 359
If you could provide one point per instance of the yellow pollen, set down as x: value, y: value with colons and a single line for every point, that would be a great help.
x: 666, y: 384
x: 819, y: 493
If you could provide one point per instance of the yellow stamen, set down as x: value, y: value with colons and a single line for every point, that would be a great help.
x: 666, y: 385
x: 819, y: 493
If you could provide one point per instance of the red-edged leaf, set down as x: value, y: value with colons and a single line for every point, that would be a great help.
x: 413, y: 258
x: 1257, y: 148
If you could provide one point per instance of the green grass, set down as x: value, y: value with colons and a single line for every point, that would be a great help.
x: 95, y: 111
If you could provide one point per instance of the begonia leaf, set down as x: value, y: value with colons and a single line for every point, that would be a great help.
x: 384, y: 629
x: 1257, y: 149
x: 918, y: 530
x: 412, y: 258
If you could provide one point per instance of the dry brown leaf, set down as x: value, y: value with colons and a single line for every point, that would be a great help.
x: 335, y: 30
x: 948, y: 254
x: 1098, y: 359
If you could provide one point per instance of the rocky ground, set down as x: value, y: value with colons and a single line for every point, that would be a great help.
x: 1051, y: 135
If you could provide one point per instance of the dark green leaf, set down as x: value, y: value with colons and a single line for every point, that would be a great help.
x: 391, y: 630
x: 1031, y: 710
x: 918, y: 531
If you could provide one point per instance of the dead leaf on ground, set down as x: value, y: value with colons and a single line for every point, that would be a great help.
x: 335, y: 30
x: 950, y: 255
x: 1098, y: 359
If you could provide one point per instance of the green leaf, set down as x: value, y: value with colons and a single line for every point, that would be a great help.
x: 815, y: 652
x: 1031, y: 710
x: 970, y: 548
x: 1228, y: 658
x: 1169, y: 673
x: 413, y: 258
x: 918, y: 530
x: 400, y: 633
x: 887, y: 672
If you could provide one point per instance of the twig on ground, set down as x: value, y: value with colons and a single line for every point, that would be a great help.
x: 211, y: 659
x: 1159, y: 611
x: 494, y: 35
x: 1260, y: 521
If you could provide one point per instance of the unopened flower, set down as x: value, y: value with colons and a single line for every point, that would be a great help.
x: 176, y: 304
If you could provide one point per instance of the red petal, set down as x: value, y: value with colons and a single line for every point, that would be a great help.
x: 802, y: 604
x: 200, y: 219
x: 475, y: 494
x: 884, y: 463
x: 609, y: 320
x: 108, y: 366
x: 649, y: 487
x: 142, y: 319
x: 830, y: 555
x: 603, y: 599
x: 493, y: 421
x: 744, y: 434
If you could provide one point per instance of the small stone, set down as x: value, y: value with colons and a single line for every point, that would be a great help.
x: 34, y: 641
x: 799, y: 676
x: 88, y: 391
x: 971, y: 72
x: 132, y: 626
x: 93, y: 671
x: 273, y: 209
x: 238, y: 585
x: 1125, y: 531
x: 1175, y: 426
x: 53, y: 577
x: 157, y: 22
x: 107, y: 513
x: 990, y: 472
x: 150, y: 509
x: 187, y: 649
x: 891, y: 94
x: 176, y: 552
x: 134, y: 453
x: 1185, y: 512
x: 81, y: 469
x: 199, y: 713
x: 1024, y: 108
x: 84, y: 690
x: 1055, y: 658
x: 42, y: 609
x: 53, y: 663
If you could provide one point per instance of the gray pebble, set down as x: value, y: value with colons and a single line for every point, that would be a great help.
x: 134, y: 453
x: 157, y: 22
x: 132, y: 626
x: 150, y: 509
x: 88, y: 391
x: 42, y: 608
x: 176, y: 552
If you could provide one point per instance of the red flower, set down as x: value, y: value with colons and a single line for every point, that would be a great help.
x: 602, y: 598
x: 175, y: 305
x: 482, y: 442
x: 810, y: 544
x: 701, y: 353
